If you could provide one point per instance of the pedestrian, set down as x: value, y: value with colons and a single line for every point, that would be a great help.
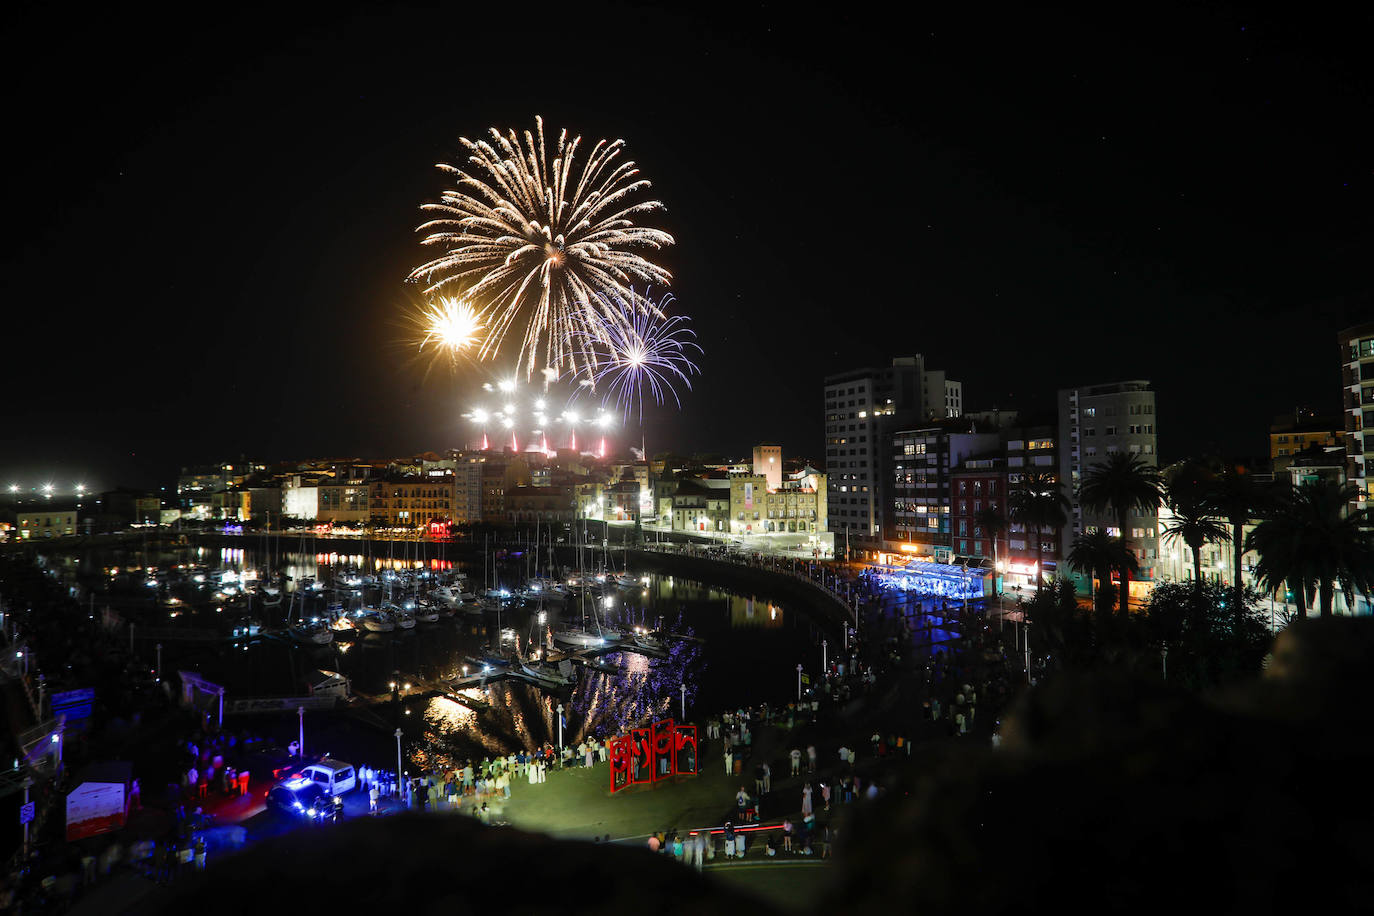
x: 795, y: 756
x: 200, y: 853
x: 729, y: 833
x: 806, y: 799
x: 677, y: 847
x: 741, y: 802
x: 372, y: 795
x: 699, y: 849
x: 825, y: 795
x: 758, y: 779
x: 811, y: 758
x: 338, y: 809
x: 786, y: 834
x: 729, y: 761
x: 767, y: 778
x: 484, y: 814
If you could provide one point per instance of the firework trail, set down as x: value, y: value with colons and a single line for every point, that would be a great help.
x: 533, y: 242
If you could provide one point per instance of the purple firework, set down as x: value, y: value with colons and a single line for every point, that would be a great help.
x: 643, y: 351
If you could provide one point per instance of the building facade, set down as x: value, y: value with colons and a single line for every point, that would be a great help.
x: 39, y: 524
x: 1356, y: 349
x: 921, y: 509
x: 1026, y: 449
x: 1096, y: 421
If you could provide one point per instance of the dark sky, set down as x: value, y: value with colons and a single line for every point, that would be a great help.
x: 209, y: 218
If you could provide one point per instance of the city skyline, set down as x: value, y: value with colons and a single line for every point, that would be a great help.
x: 1017, y: 189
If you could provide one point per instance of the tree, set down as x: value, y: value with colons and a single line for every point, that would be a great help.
x: 991, y: 520
x: 1038, y: 504
x: 1120, y: 485
x: 1314, y: 541
x: 1192, y: 522
x: 1235, y: 496
x: 1096, y: 554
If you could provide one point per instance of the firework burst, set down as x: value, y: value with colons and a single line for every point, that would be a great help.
x: 451, y: 326
x: 644, y: 352
x: 533, y: 242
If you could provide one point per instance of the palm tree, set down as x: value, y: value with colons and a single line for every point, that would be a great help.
x: 1315, y: 541
x: 1193, y: 525
x: 1235, y: 496
x: 1096, y: 554
x: 1122, y: 484
x: 992, y: 521
x: 1040, y: 503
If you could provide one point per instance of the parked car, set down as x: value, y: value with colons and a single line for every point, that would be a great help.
x: 333, y: 776
x: 300, y: 797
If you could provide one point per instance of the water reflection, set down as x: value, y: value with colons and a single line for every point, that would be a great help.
x: 748, y: 652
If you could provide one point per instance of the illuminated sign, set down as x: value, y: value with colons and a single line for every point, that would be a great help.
x: 749, y: 496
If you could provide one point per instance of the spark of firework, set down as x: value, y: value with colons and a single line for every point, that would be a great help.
x: 646, y: 352
x: 451, y: 325
x: 535, y: 241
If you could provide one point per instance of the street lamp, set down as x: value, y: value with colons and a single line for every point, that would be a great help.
x: 683, y: 689
x: 398, y: 761
x: 799, y: 674
x: 300, y: 714
x: 560, y: 726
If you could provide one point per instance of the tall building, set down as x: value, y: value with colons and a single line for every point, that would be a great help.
x: 1357, y: 381
x: 768, y: 464
x: 1030, y: 448
x: 1096, y: 421
x: 862, y: 408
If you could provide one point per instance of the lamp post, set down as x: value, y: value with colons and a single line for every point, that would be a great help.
x: 300, y: 714
x: 799, y: 673
x: 560, y: 727
x: 824, y: 667
x: 683, y: 689
x: 159, y: 663
x: 1027, y: 648
x: 1164, y: 660
x: 398, y: 761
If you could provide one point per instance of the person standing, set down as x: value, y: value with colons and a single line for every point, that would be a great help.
x: 806, y: 800
x: 811, y: 758
x: 372, y: 794
x: 825, y: 795
x: 699, y: 849
x: 729, y: 761
x: 767, y: 778
x: 729, y: 833
x: 795, y: 756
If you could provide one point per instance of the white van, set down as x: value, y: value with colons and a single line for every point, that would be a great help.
x: 333, y: 776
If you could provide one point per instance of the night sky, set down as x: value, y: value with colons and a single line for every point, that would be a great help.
x: 209, y: 219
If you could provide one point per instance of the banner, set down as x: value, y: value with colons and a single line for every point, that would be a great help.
x: 622, y: 760
x: 642, y: 748
x: 749, y: 496
x: 94, y: 808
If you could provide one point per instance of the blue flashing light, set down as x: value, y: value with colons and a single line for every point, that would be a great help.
x: 299, y: 782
